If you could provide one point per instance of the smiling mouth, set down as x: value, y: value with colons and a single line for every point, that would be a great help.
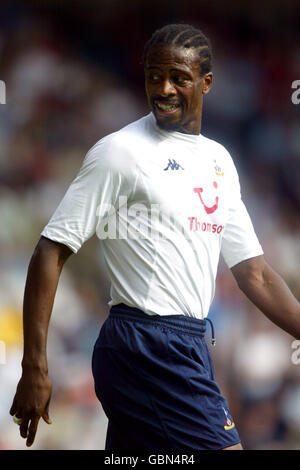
x: 167, y: 108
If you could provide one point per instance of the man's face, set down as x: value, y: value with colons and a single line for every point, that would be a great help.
x: 175, y: 88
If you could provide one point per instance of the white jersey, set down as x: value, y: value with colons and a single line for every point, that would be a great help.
x: 164, y: 204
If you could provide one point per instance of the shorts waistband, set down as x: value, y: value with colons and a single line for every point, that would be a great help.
x: 190, y: 325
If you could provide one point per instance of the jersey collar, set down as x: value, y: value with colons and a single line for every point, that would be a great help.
x: 174, y: 135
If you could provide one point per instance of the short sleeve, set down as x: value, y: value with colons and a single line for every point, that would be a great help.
x: 94, y: 190
x: 239, y: 241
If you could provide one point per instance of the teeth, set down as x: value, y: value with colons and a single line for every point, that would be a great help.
x: 166, y: 107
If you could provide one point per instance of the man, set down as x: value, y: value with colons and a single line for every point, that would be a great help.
x: 151, y: 365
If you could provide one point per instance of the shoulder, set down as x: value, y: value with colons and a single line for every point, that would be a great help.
x: 216, y: 148
x: 219, y: 154
x: 121, y: 148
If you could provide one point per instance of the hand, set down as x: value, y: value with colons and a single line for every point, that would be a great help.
x: 31, y: 402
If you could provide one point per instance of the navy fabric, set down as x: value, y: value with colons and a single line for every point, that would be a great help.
x: 155, y: 380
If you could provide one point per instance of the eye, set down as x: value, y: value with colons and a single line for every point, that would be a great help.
x: 153, y: 76
x: 180, y: 80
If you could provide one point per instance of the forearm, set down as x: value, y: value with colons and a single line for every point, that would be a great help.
x: 271, y: 295
x: 41, y: 284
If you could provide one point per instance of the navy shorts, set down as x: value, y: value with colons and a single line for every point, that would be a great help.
x: 155, y: 380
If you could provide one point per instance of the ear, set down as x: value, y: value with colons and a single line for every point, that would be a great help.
x: 207, y: 81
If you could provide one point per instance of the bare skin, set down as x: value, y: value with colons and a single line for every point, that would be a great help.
x: 173, y: 76
x: 266, y: 289
x: 235, y: 447
x: 32, y: 398
x: 173, y: 80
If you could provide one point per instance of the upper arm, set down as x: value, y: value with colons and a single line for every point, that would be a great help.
x: 52, y: 249
x: 249, y: 271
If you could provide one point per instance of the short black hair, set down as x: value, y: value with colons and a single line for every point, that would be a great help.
x: 183, y: 35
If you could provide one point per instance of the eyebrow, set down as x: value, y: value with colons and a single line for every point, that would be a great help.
x: 148, y: 67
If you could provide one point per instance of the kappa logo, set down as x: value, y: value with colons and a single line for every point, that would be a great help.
x: 173, y: 165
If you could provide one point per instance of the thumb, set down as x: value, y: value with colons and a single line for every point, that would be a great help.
x: 45, y: 415
x: 46, y: 418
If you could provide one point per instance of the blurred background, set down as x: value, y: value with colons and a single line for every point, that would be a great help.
x: 73, y: 74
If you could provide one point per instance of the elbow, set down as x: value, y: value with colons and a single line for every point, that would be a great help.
x: 246, y: 283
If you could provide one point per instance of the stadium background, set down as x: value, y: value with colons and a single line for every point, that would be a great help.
x: 73, y: 74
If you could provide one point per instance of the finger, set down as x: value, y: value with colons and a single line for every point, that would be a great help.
x: 24, y: 427
x: 32, y: 430
x: 13, y: 408
x: 17, y: 420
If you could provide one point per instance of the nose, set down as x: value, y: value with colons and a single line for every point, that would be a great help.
x: 166, y: 88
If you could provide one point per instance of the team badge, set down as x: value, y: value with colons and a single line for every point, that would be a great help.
x: 229, y: 424
x: 218, y: 169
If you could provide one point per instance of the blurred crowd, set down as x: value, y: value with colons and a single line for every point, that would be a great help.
x: 61, y: 99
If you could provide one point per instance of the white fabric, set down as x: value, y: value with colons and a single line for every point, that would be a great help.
x: 181, y: 195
